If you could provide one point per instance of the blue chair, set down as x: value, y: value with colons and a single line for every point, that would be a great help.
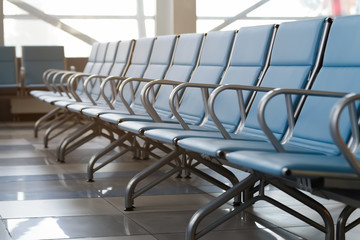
x: 243, y: 66
x: 129, y: 102
x: 53, y: 77
x: 8, y: 71
x: 209, y: 72
x: 36, y: 60
x: 116, y: 59
x: 62, y: 116
x: 139, y: 62
x: 310, y: 154
x: 296, y: 63
x: 184, y: 61
x: 212, y: 64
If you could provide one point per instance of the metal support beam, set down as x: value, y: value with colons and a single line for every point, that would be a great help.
x: 2, y: 42
x: 52, y: 20
x: 240, y: 15
x: 141, y: 18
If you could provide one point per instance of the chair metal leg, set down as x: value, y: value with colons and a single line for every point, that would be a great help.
x: 191, y: 231
x: 91, y: 169
x: 55, y: 126
x: 64, y: 147
x: 131, y: 194
x: 328, y: 227
x: 45, y: 118
x: 341, y: 227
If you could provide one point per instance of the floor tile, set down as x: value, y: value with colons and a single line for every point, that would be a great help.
x: 72, y: 227
x: 55, y: 208
x: 161, y: 203
x: 44, y: 199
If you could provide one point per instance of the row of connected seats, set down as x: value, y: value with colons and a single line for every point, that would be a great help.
x: 19, y: 80
x: 206, y: 112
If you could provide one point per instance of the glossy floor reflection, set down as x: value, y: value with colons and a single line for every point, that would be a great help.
x: 43, y: 199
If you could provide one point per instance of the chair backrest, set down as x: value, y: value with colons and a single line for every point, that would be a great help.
x: 212, y: 64
x: 247, y: 62
x: 37, y: 59
x: 185, y: 58
x: 99, y: 61
x: 99, y: 58
x: 122, y: 58
x: 160, y: 60
x: 340, y: 72
x: 92, y: 58
x: 293, y: 59
x: 119, y: 66
x: 140, y: 57
x: 8, y: 66
x: 139, y: 61
x: 105, y: 68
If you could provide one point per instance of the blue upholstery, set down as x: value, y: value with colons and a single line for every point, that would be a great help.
x: 140, y: 57
x: 92, y: 58
x: 247, y: 61
x: 100, y: 57
x: 122, y: 58
x: 280, y: 74
x: 292, y: 60
x: 105, y: 69
x: 277, y: 164
x: 160, y: 60
x: 37, y: 59
x: 212, y: 64
x: 185, y: 58
x: 210, y: 70
x: 8, y: 70
x: 341, y: 66
x: 139, y: 61
x: 48, y: 96
x: 311, y: 135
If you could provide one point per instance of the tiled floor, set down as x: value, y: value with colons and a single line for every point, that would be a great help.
x: 43, y: 199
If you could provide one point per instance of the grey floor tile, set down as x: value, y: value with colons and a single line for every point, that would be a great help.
x: 72, y: 227
x: 44, y: 199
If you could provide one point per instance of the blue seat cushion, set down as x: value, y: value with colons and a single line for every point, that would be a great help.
x: 279, y: 164
x: 141, y: 126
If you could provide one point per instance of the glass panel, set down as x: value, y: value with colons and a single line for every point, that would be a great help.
x: 203, y: 26
x: 295, y: 8
x: 104, y: 30
x: 104, y: 21
x: 85, y: 7
x: 150, y: 7
x: 211, y: 13
x: 150, y: 28
x: 17, y: 34
x: 223, y: 8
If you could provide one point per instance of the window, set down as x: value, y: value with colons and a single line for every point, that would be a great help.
x: 212, y: 13
x: 36, y: 22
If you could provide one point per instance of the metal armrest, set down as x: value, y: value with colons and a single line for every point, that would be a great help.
x: 133, y: 91
x: 146, y: 99
x: 239, y: 90
x: 59, y: 75
x: 88, y: 81
x: 110, y: 79
x: 174, y: 95
x: 289, y: 107
x: 74, y: 81
x: 347, y: 151
x: 45, y: 77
